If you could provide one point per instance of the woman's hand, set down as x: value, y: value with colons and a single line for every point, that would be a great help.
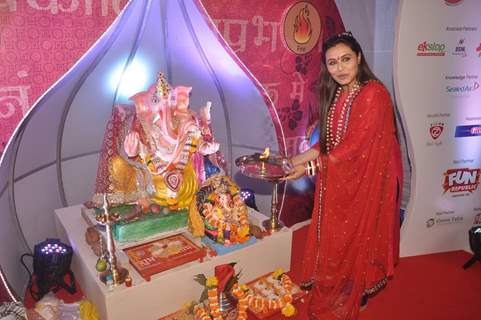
x: 295, y: 173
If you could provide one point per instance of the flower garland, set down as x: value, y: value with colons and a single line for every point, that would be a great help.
x: 200, y: 311
x: 248, y: 297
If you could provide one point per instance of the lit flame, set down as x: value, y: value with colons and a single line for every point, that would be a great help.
x: 265, y: 154
x: 302, y: 27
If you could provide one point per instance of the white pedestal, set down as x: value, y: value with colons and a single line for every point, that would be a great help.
x: 166, y: 292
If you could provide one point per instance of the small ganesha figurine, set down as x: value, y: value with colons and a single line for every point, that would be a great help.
x: 224, y: 212
x: 158, y: 153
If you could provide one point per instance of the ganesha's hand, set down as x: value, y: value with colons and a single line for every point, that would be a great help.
x: 205, y: 112
x: 208, y: 148
x: 132, y: 144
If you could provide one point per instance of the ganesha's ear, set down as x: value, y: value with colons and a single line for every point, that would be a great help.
x: 204, y: 112
x: 183, y: 90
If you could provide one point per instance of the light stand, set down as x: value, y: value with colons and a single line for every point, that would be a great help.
x: 51, y: 263
x: 475, y: 244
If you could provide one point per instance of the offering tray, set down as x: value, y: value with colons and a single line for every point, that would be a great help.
x: 263, y: 311
x: 270, y: 168
x: 259, y: 166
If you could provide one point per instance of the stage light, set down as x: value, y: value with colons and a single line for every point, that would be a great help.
x: 475, y: 238
x: 475, y: 245
x: 51, y: 265
x: 131, y: 81
x: 248, y: 196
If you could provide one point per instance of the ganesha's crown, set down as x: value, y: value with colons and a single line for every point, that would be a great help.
x: 162, y: 88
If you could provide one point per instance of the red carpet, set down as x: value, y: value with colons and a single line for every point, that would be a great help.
x: 433, y: 286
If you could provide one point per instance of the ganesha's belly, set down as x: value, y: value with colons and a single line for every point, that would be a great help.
x: 176, y: 191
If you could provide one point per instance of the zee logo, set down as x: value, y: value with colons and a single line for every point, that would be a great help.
x: 436, y: 129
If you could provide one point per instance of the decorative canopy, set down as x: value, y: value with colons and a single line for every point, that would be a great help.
x: 51, y: 160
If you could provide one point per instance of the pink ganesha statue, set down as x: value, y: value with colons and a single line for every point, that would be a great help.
x: 158, y: 154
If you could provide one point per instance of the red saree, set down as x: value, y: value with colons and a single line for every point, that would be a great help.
x: 354, y: 234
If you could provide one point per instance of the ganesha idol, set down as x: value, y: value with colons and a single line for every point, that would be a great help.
x: 224, y: 212
x: 157, y: 155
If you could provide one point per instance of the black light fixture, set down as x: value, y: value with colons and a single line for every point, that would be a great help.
x: 475, y: 245
x: 249, y: 198
x: 51, y: 268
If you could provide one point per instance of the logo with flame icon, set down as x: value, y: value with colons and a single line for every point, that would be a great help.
x: 302, y: 27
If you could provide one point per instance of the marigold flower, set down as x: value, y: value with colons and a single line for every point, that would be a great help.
x: 278, y: 273
x: 289, y: 310
x: 244, y: 287
x: 211, y: 282
x: 188, y: 305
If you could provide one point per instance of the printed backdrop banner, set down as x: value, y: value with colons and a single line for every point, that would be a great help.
x: 437, y: 78
x: 279, y: 41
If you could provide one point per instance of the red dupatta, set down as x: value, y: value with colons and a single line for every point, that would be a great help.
x: 351, y: 241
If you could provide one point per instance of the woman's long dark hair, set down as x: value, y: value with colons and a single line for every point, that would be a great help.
x: 327, y: 85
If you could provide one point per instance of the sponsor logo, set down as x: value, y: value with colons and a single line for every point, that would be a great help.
x: 431, y: 49
x: 461, y: 180
x: 468, y: 131
x: 461, y: 77
x: 463, y: 89
x: 438, y: 115
x: 464, y: 161
x: 442, y: 213
x: 477, y: 219
x: 475, y: 118
x: 431, y: 222
x: 452, y: 2
x: 301, y: 27
x: 460, y: 49
x: 436, y: 129
x: 461, y: 28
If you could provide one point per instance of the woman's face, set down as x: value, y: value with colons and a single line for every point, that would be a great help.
x: 343, y: 65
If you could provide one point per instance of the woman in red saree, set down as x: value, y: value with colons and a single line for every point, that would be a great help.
x: 353, y: 238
